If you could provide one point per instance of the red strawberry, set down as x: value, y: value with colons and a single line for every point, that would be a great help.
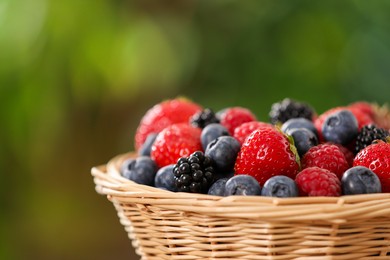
x: 362, y: 116
x: 314, y: 181
x: 164, y: 114
x: 266, y: 152
x: 364, y: 107
x: 326, y: 156
x: 241, y: 132
x: 234, y: 117
x: 175, y: 141
x: 376, y: 157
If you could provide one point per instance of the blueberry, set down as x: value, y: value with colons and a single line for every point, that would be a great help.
x: 340, y: 127
x: 127, y: 164
x: 303, y: 139
x: 212, y: 132
x: 360, y: 180
x: 218, y: 188
x: 299, y: 123
x: 221, y: 175
x: 280, y: 186
x: 165, y: 179
x: 147, y: 146
x: 242, y: 185
x: 141, y: 170
x: 223, y: 152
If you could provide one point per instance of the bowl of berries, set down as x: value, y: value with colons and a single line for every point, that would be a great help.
x: 224, y: 185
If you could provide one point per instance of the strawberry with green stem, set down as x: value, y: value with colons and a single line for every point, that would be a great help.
x: 267, y: 152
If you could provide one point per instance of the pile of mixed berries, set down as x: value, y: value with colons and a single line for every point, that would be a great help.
x: 184, y: 148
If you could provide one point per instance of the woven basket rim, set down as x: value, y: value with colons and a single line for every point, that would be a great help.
x: 110, y: 182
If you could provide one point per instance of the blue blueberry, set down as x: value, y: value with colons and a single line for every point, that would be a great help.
x: 299, y: 123
x: 212, y: 132
x: 280, y: 186
x: 221, y: 175
x: 360, y: 180
x: 141, y: 170
x: 340, y: 127
x: 129, y: 163
x: 146, y: 148
x: 165, y: 178
x: 223, y: 153
x: 303, y: 139
x: 242, y: 185
x: 218, y: 187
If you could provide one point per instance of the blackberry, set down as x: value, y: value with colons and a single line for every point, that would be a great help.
x: 204, y: 118
x: 194, y: 174
x: 289, y: 108
x: 368, y: 134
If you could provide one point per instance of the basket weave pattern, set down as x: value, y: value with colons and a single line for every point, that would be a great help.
x: 168, y: 225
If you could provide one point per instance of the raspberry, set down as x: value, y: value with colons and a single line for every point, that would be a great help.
x: 376, y: 157
x: 242, y: 131
x: 287, y: 109
x: 314, y: 181
x: 234, y: 117
x: 368, y: 134
x: 162, y: 115
x: 349, y: 156
x: 203, y: 118
x: 175, y: 141
x: 194, y: 173
x: 326, y: 156
x: 266, y: 152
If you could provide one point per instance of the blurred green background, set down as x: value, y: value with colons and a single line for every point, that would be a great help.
x: 77, y: 76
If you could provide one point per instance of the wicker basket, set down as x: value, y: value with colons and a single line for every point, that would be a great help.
x: 168, y: 225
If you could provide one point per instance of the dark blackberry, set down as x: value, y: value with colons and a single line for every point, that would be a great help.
x: 194, y: 173
x: 204, y: 118
x: 368, y: 134
x: 287, y: 109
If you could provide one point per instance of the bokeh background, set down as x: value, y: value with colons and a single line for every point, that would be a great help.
x: 77, y: 76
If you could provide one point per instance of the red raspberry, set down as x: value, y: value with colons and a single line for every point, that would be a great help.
x: 236, y: 116
x: 162, y: 115
x: 326, y: 156
x: 241, y: 132
x: 361, y: 116
x: 175, y: 141
x: 266, y: 152
x: 376, y: 157
x: 349, y: 156
x: 314, y: 181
